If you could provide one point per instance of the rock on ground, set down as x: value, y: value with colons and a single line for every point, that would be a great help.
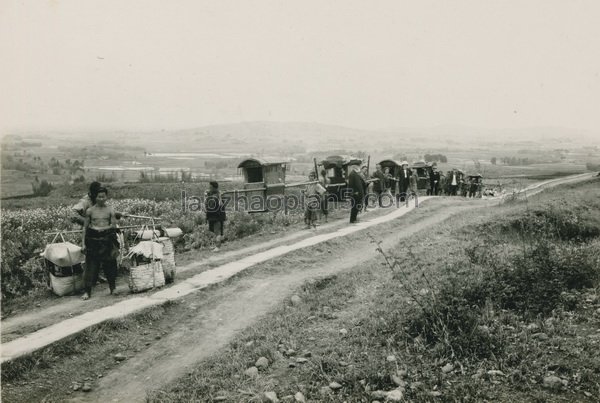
x: 335, y: 386
x: 554, y: 382
x: 271, y: 397
x: 262, y: 363
x: 251, y: 372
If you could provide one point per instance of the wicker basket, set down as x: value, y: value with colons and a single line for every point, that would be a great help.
x: 146, y: 276
x: 168, y: 260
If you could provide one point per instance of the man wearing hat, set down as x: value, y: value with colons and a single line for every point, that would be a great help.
x: 215, y: 212
x: 403, y: 182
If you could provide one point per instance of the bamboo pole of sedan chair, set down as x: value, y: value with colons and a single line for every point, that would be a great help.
x: 316, y: 169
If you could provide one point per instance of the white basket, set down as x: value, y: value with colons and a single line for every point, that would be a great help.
x: 67, y: 285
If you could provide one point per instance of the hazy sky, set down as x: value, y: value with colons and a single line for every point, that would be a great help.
x: 79, y: 64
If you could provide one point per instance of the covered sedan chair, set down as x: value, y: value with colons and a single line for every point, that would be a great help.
x: 263, y: 178
x: 422, y: 170
x: 336, y: 167
x: 395, y: 167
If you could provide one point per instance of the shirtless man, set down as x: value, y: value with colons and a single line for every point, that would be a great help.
x: 99, y: 243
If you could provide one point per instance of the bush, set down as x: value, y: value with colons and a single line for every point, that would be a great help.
x: 533, y: 282
x: 557, y: 223
x: 455, y: 326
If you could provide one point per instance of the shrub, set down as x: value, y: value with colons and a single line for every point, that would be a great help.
x: 456, y: 327
x: 557, y: 223
x: 533, y: 282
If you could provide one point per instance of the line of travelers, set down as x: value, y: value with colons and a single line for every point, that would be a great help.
x: 384, y: 187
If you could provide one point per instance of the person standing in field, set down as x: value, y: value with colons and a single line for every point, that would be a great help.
x: 99, y: 243
x: 357, y: 192
x: 215, y: 213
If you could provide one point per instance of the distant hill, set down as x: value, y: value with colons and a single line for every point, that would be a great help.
x: 294, y: 137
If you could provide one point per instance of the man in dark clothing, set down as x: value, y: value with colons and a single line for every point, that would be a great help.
x: 215, y: 213
x: 357, y: 189
x: 403, y: 182
x: 434, y: 181
x: 379, y: 185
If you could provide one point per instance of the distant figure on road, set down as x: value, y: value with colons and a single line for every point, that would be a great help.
x: 99, y: 242
x: 357, y: 192
x: 215, y: 213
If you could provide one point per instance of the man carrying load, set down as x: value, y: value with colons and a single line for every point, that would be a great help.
x: 99, y: 243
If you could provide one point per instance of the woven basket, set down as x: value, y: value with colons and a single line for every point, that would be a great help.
x: 146, y: 276
x: 168, y: 260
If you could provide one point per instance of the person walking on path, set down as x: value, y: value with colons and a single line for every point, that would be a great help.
x: 357, y: 192
x: 99, y: 243
x: 215, y: 213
